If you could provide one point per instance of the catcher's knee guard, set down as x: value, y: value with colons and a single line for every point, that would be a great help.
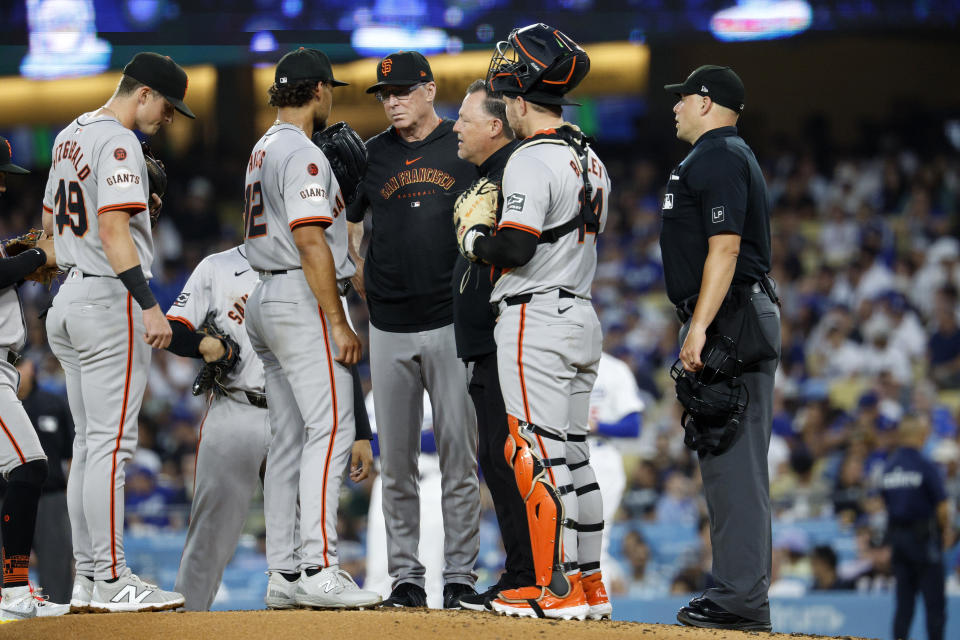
x: 542, y: 497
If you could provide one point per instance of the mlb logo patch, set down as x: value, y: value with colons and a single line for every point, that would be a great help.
x: 668, y: 201
x: 182, y: 299
x: 717, y: 214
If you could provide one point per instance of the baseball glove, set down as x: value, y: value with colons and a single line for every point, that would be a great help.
x: 347, y: 156
x: 157, y: 179
x: 476, y: 208
x: 213, y: 374
x: 17, y: 245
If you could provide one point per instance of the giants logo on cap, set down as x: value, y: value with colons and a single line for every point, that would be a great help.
x: 386, y: 66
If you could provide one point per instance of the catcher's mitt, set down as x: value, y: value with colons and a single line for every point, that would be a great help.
x: 476, y: 208
x: 213, y: 374
x: 157, y: 179
x: 17, y: 245
x: 347, y: 156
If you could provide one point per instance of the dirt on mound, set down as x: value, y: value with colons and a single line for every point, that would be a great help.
x: 348, y: 625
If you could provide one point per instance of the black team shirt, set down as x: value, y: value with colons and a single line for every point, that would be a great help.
x: 473, y: 315
x: 410, y: 188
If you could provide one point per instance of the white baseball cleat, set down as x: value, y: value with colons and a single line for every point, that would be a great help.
x: 131, y: 594
x: 82, y: 594
x: 280, y: 592
x: 333, y: 588
x: 23, y: 603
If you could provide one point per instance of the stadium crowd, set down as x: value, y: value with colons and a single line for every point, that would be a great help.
x: 867, y: 261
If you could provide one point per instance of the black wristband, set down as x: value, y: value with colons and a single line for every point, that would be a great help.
x: 137, y: 285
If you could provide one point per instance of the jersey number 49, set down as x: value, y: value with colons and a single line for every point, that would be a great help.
x: 69, y: 198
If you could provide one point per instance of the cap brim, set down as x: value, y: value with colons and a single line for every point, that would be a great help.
x: 399, y: 83
x: 337, y: 83
x: 181, y: 107
x: 676, y: 89
x: 12, y: 168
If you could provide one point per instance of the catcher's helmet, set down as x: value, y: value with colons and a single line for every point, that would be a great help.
x: 713, y: 398
x: 538, y: 62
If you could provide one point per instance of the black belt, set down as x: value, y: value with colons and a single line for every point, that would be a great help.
x: 343, y: 286
x: 94, y: 275
x: 527, y: 297
x: 686, y: 307
x: 257, y: 399
x: 280, y: 272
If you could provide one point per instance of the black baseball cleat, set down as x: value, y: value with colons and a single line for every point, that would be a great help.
x: 453, y: 592
x: 704, y: 613
x: 406, y: 594
x: 481, y: 601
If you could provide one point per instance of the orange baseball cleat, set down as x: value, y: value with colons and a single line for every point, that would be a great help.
x: 597, y: 599
x: 541, y: 602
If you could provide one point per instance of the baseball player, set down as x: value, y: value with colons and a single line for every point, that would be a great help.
x: 296, y: 239
x: 555, y: 191
x: 411, y: 181
x: 615, y: 412
x: 105, y: 319
x: 234, y: 434
x: 22, y: 460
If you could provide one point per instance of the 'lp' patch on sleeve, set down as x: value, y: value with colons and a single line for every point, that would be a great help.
x: 717, y: 214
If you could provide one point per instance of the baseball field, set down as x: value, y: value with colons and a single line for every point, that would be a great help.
x: 381, y: 625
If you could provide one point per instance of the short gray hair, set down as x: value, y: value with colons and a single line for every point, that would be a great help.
x: 493, y: 104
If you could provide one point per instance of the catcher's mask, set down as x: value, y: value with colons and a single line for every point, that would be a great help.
x: 538, y: 62
x: 713, y: 398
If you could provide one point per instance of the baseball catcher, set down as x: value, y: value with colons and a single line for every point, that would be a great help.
x: 347, y: 156
x: 157, y: 180
x: 24, y: 242
x: 476, y: 210
x: 213, y: 373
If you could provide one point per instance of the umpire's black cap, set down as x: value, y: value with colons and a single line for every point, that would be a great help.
x: 305, y: 64
x: 720, y: 84
x: 6, y: 153
x: 163, y: 75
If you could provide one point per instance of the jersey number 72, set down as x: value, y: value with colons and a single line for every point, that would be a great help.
x: 70, y: 198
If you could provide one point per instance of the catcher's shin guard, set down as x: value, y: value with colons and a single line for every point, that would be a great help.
x: 527, y: 452
x: 590, y: 505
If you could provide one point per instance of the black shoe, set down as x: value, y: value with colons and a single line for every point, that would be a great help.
x: 703, y: 612
x: 406, y: 594
x: 453, y: 592
x: 481, y: 601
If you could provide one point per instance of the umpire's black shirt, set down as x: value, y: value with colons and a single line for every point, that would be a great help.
x: 410, y: 187
x: 473, y: 317
x: 717, y: 188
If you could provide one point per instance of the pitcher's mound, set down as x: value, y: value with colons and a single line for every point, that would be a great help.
x: 349, y: 625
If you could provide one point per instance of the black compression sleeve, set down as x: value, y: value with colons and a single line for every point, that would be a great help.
x: 15, y: 269
x: 184, y: 342
x: 360, y: 408
x: 508, y: 249
x: 136, y: 284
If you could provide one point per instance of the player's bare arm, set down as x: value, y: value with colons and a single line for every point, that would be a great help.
x: 47, y: 223
x: 122, y: 255
x: 318, y: 267
x: 361, y: 460
x: 717, y: 275
x: 355, y: 234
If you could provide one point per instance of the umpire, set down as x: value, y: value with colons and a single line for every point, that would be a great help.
x: 918, y: 530
x: 715, y: 241
x: 486, y: 140
x: 412, y: 180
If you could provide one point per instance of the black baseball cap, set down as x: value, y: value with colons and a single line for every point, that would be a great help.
x: 163, y: 75
x: 6, y: 153
x: 720, y: 84
x: 305, y: 64
x: 402, y: 69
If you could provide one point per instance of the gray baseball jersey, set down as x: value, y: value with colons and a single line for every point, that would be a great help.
x: 96, y: 329
x: 97, y: 166
x: 541, y: 190
x: 234, y: 434
x: 548, y: 345
x: 289, y: 183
